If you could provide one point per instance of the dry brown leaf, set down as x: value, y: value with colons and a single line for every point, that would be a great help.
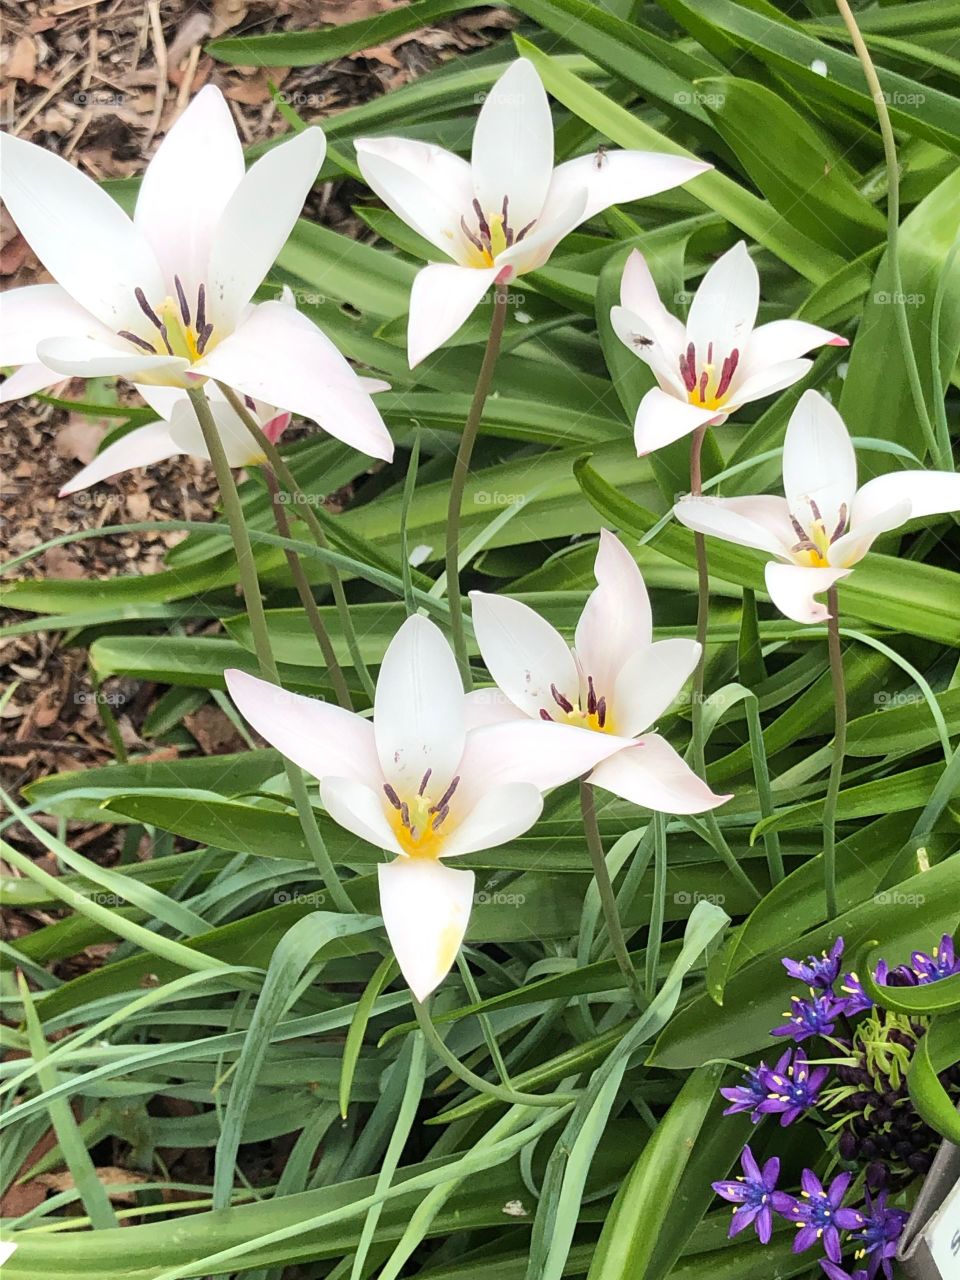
x: 20, y: 63
x: 79, y: 440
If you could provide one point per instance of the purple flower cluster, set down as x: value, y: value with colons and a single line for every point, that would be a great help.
x: 877, y: 1130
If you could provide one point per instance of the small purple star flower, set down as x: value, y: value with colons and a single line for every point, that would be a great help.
x: 748, y: 1094
x: 942, y: 963
x: 791, y: 1087
x: 833, y: 1272
x: 806, y: 1018
x: 819, y: 972
x: 819, y: 1213
x: 853, y: 998
x: 755, y: 1195
x: 879, y: 1235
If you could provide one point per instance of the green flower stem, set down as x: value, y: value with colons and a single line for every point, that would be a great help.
x: 839, y: 748
x: 499, y: 1091
x: 306, y: 595
x: 608, y: 901
x: 287, y: 479
x: 703, y: 606
x: 458, y: 480
x: 697, y: 744
x: 261, y: 637
x: 657, y: 903
x: 893, y: 227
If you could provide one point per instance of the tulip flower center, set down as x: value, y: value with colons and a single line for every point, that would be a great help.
x: 812, y: 550
x: 707, y: 385
x: 590, y: 711
x: 174, y: 328
x: 490, y: 234
x: 418, y: 820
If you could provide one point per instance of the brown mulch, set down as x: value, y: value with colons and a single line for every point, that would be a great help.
x: 100, y: 82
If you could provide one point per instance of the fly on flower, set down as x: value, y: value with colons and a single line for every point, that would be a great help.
x: 611, y: 686
x: 503, y: 213
x: 719, y: 360
x: 824, y: 525
x: 415, y: 783
x: 165, y: 298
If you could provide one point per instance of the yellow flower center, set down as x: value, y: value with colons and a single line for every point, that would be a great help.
x: 490, y: 234
x: 812, y: 550
x: 589, y: 712
x: 175, y: 329
x: 419, y: 821
x: 707, y: 384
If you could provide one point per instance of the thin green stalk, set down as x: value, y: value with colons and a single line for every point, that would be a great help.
x: 839, y: 748
x: 108, y: 719
x: 893, y: 224
x: 658, y: 903
x: 261, y: 636
x: 502, y: 1092
x: 703, y: 606
x: 458, y: 480
x: 306, y: 595
x: 463, y: 964
x: 608, y: 901
x: 761, y: 774
x: 287, y: 479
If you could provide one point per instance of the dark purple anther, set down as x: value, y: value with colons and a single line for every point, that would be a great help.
x: 591, y: 697
x: 482, y: 222
x: 137, y: 342
x: 146, y: 308
x: 545, y: 715
x: 704, y: 381
x: 601, y: 712
x: 727, y: 372
x: 444, y: 801
x: 561, y: 699
x: 182, y: 299
x: 392, y: 796
x: 201, y: 308
x: 423, y: 782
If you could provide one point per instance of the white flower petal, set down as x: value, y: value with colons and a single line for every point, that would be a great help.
x: 852, y: 546
x: 618, y: 177
x: 650, y: 681
x: 94, y: 358
x: 783, y: 340
x: 320, y: 737
x: 534, y: 249
x: 512, y: 152
x: 426, y: 908
x: 238, y: 444
x: 744, y: 521
x: 279, y: 356
x: 79, y: 233
x: 766, y: 381
x: 663, y: 418
x: 724, y: 308
x: 26, y: 380
x: 429, y: 188
x: 652, y: 343
x: 40, y: 311
x: 792, y: 588
x: 523, y: 653
x: 930, y: 493
x: 502, y: 813
x: 442, y: 299
x: 257, y: 220
x: 418, y: 711
x: 819, y: 464
x: 651, y: 774
x: 356, y: 807
x: 538, y: 752
x: 186, y: 187
x: 616, y: 620
x: 490, y: 706
x: 141, y: 447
